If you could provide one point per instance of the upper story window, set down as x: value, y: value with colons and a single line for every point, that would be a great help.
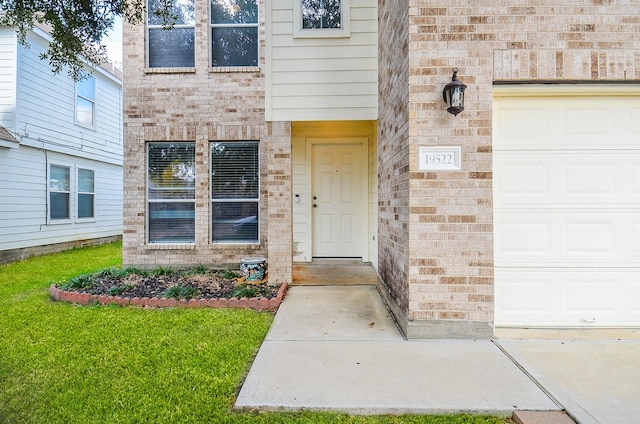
x: 86, y: 101
x: 175, y: 47
x: 321, y: 18
x: 234, y: 33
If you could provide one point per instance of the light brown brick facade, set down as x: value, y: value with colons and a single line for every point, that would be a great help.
x: 202, y: 105
x: 436, y: 235
x: 435, y: 228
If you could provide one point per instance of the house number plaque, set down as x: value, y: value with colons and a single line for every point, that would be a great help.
x: 440, y: 158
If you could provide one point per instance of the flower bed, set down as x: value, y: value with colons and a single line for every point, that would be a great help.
x: 165, y: 288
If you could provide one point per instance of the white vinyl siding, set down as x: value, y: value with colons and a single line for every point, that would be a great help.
x: 24, y: 214
x: 567, y: 206
x: 318, y: 78
x: 42, y: 118
x: 8, y: 51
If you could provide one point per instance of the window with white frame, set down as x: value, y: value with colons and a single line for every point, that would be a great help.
x: 171, y: 192
x: 321, y: 18
x: 235, y: 192
x: 86, y: 193
x: 59, y: 192
x: 86, y: 101
x: 171, y: 47
x: 234, y: 33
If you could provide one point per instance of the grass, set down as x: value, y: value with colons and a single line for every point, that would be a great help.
x: 63, y: 363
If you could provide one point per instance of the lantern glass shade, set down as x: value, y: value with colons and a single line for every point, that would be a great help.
x: 453, y: 94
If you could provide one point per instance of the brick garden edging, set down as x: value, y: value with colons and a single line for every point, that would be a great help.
x: 256, y: 303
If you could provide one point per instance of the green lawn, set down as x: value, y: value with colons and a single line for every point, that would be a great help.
x: 63, y: 363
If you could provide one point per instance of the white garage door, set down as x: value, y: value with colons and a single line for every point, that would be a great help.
x: 567, y: 206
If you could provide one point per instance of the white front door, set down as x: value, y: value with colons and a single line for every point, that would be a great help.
x: 338, y: 200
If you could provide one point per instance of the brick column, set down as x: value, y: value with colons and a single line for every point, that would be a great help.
x: 279, y: 198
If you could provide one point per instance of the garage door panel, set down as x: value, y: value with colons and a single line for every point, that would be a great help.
x: 594, y: 297
x: 562, y: 238
x: 592, y: 179
x: 566, y: 123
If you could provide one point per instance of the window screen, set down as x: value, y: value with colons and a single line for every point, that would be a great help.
x: 86, y: 194
x: 175, y: 47
x: 171, y: 192
x: 59, y: 192
x: 321, y: 14
x: 85, y: 101
x: 235, y: 192
x: 234, y: 33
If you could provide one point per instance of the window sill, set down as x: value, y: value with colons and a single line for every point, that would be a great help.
x: 171, y: 246
x: 234, y: 69
x: 215, y: 245
x: 169, y: 70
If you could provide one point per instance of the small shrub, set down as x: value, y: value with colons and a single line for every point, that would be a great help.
x: 117, y: 290
x: 200, y: 269
x: 80, y: 282
x: 110, y: 272
x: 180, y: 292
x: 246, y: 290
x: 134, y: 270
x: 230, y: 274
x: 161, y: 270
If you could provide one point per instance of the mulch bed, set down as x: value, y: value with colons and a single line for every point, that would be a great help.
x: 151, y: 291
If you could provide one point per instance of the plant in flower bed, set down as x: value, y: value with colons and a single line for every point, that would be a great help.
x: 169, y: 283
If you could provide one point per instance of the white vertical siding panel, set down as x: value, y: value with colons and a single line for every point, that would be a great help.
x: 322, y: 78
x: 23, y: 211
x: 7, y: 77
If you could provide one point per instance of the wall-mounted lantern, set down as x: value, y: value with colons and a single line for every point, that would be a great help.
x: 453, y: 94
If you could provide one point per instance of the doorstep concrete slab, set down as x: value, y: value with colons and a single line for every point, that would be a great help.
x: 596, y: 381
x: 337, y: 348
x: 333, y: 313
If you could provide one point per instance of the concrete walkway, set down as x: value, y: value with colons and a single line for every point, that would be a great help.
x: 336, y: 348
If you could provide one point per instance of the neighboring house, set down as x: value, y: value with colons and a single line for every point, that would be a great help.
x: 60, y: 155
x: 303, y: 129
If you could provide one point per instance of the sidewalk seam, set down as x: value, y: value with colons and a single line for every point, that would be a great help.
x: 530, y: 377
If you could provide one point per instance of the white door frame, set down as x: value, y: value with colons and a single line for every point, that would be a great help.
x: 364, y: 144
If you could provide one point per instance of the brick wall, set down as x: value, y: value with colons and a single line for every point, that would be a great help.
x: 450, y: 279
x: 200, y: 104
x: 393, y: 155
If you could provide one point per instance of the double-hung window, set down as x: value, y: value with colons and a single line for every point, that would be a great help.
x: 321, y: 18
x: 234, y: 33
x: 171, y: 192
x: 171, y: 47
x: 86, y: 101
x: 235, y: 192
x: 86, y: 194
x: 59, y: 192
